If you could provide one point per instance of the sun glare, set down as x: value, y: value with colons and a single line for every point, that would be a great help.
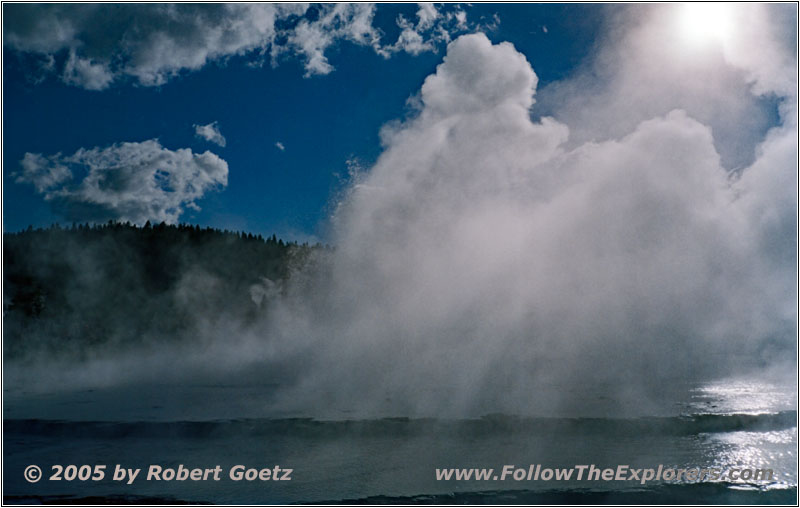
x: 701, y: 23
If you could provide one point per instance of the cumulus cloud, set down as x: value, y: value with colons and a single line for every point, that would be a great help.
x: 153, y: 43
x: 486, y: 264
x: 210, y: 133
x: 133, y: 182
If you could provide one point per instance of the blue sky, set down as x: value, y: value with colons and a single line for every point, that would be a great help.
x: 322, y: 121
x: 300, y: 94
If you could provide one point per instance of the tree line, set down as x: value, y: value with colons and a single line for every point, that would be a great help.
x: 72, y: 289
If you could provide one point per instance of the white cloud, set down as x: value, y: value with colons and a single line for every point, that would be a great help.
x: 432, y: 28
x: 153, y: 43
x: 461, y: 19
x: 210, y: 133
x: 127, y: 181
x: 42, y: 172
x: 280, y: 146
x: 427, y: 15
x: 410, y: 40
x: 352, y: 22
x: 85, y: 73
x: 150, y: 43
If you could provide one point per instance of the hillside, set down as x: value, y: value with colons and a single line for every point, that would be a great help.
x: 80, y: 289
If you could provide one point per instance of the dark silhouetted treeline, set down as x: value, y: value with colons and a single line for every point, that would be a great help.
x: 71, y: 290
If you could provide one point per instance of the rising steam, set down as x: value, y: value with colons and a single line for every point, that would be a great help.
x: 489, y: 262
x: 480, y: 263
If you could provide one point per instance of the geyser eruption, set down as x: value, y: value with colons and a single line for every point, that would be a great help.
x: 497, y: 260
x: 483, y: 266
x: 533, y: 273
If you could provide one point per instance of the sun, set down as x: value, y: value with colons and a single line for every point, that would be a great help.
x: 705, y: 22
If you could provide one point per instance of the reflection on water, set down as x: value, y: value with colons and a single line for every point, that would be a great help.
x: 723, y: 425
x: 776, y: 450
x: 742, y: 396
x: 771, y: 449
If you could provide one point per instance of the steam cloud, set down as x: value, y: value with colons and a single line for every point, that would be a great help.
x: 483, y: 264
x: 491, y: 262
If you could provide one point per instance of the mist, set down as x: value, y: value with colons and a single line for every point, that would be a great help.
x: 502, y: 257
x: 481, y: 264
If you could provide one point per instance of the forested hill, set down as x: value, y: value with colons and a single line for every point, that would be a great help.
x: 79, y: 288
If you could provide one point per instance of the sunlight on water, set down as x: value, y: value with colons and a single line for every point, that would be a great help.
x: 743, y: 397
x: 725, y: 425
x: 771, y: 449
x: 774, y: 450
